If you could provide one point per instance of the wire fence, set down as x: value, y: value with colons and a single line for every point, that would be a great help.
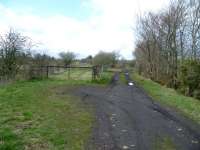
x: 56, y: 72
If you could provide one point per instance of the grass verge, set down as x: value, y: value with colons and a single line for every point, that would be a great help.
x: 190, y: 107
x: 34, y: 116
x: 164, y: 144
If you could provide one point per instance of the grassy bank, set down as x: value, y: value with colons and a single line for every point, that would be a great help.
x: 190, y: 107
x: 33, y: 115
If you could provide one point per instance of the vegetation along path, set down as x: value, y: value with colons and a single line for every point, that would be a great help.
x: 127, y: 118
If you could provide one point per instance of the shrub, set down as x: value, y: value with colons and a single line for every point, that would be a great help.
x: 190, y: 77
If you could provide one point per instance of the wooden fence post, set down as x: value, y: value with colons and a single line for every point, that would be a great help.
x: 94, y: 72
x: 47, y: 69
x: 69, y: 73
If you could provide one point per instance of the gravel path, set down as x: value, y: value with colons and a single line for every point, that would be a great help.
x: 126, y: 118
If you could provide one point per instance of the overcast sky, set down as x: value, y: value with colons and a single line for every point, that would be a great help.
x: 81, y: 26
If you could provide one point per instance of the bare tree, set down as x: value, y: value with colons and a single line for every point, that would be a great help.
x: 106, y: 58
x: 168, y: 45
x: 159, y: 46
x: 13, y: 46
x: 67, y: 57
x: 195, y: 27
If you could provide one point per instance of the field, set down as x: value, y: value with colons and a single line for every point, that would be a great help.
x: 41, y: 114
x: 74, y: 74
x: 190, y: 107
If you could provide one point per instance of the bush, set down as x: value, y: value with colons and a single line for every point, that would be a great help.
x: 190, y: 77
x: 196, y: 94
x: 104, y: 79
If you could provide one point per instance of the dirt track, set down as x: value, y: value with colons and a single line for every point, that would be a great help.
x: 128, y: 119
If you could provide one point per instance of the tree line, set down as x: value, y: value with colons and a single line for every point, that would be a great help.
x: 17, y: 56
x: 168, y: 46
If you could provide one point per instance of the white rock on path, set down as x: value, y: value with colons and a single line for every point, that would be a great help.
x: 124, y: 130
x: 125, y: 147
x: 132, y: 145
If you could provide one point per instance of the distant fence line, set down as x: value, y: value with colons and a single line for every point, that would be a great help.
x: 95, y: 70
x: 40, y: 72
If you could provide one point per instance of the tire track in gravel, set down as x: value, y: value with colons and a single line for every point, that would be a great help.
x: 127, y: 118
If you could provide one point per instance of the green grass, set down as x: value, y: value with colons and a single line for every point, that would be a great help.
x: 75, y: 74
x: 105, y: 78
x: 41, y: 115
x: 114, y: 70
x: 83, y: 76
x: 122, y: 78
x: 190, y: 107
x: 164, y: 144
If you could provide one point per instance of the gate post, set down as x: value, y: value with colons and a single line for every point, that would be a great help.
x: 47, y: 71
x: 68, y: 72
x: 94, y: 72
